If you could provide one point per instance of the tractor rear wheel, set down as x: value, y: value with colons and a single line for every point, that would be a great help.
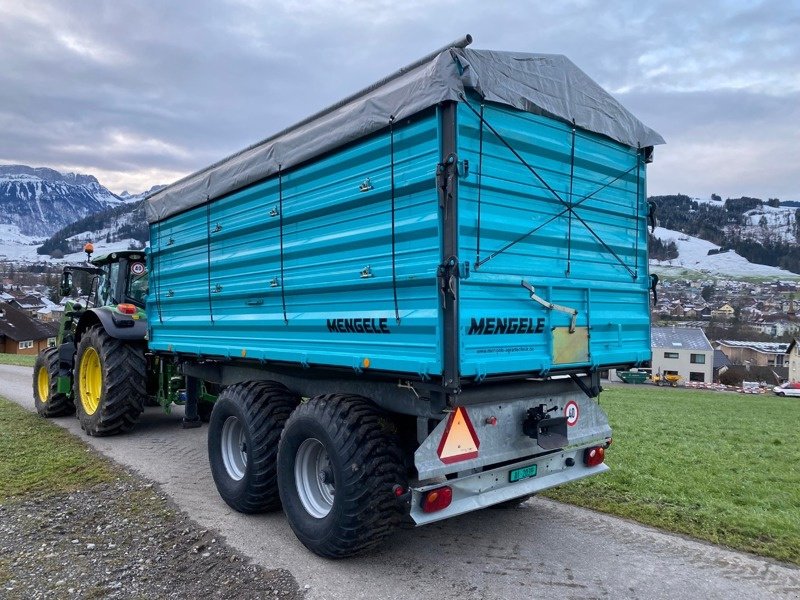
x: 48, y: 400
x: 110, y: 383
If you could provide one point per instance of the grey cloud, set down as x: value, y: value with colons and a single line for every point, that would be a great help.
x: 132, y: 87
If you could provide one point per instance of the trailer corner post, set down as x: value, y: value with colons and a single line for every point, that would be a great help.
x: 449, y: 267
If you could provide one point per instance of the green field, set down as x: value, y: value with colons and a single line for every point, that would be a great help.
x: 37, y: 456
x: 717, y: 466
x: 20, y: 360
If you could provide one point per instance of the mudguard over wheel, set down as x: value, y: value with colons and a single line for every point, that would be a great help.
x: 338, y: 464
x: 110, y: 383
x: 48, y: 400
x: 243, y: 434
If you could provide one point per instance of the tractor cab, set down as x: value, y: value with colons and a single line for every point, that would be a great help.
x: 122, y: 280
x: 117, y: 278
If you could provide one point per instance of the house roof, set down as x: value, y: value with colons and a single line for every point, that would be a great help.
x: 763, y: 347
x: 721, y: 359
x: 19, y: 327
x: 680, y: 338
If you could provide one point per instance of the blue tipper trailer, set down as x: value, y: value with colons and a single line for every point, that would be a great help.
x: 405, y: 300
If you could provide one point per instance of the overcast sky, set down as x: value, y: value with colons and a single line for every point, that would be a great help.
x: 140, y: 93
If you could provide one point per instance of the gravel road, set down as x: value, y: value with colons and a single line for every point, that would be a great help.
x: 542, y: 549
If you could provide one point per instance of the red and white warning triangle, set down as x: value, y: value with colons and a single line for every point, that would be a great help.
x: 459, y: 441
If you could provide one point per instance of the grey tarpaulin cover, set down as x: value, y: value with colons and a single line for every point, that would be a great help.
x: 547, y: 84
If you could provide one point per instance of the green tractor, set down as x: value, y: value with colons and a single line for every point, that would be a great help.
x: 100, y: 367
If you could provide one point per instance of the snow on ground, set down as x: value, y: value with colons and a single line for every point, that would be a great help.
x: 20, y: 248
x: 16, y: 246
x: 693, y: 254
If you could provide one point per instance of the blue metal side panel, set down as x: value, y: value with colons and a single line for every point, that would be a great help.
x: 527, y: 233
x: 337, y: 263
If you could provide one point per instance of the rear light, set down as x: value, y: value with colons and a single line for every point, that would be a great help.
x: 126, y: 309
x: 594, y: 456
x: 437, y: 499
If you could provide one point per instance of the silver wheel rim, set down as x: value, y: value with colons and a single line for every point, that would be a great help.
x: 234, y: 448
x: 313, y: 476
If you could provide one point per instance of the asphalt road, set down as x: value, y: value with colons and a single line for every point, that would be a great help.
x: 542, y: 550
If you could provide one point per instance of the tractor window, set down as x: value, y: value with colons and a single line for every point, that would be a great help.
x: 137, y: 283
x: 103, y: 291
x: 108, y: 294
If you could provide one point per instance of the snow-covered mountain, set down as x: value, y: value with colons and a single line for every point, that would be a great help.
x: 38, y: 201
x: 693, y: 255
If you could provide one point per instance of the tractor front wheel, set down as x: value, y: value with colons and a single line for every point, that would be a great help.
x: 48, y: 400
x: 110, y: 383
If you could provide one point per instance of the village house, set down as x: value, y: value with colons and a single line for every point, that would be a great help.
x: 792, y: 360
x: 682, y: 351
x: 22, y: 334
x: 726, y: 311
x: 755, y: 354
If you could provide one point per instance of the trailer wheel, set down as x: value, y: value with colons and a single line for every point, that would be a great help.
x: 338, y: 465
x: 110, y: 383
x: 48, y: 400
x: 243, y: 433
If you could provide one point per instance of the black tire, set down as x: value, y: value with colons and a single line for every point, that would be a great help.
x: 53, y: 404
x: 365, y: 464
x: 261, y: 409
x: 123, y: 389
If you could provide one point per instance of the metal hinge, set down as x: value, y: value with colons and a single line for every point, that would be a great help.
x: 448, y: 272
x: 445, y: 172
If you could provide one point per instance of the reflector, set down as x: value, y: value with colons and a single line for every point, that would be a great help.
x: 459, y: 440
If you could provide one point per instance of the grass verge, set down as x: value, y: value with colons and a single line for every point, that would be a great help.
x: 19, y: 360
x: 38, y: 456
x: 719, y: 467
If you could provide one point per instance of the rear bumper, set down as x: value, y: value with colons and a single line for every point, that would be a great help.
x: 479, y: 490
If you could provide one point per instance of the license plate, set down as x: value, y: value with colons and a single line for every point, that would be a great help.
x: 523, y: 473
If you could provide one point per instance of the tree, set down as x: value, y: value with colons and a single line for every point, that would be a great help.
x: 716, y: 197
x: 762, y: 222
x: 707, y: 293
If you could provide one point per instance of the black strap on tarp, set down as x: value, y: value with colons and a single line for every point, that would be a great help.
x: 569, y: 215
x: 160, y: 275
x: 480, y: 175
x: 394, y: 251
x: 638, y: 203
x: 569, y: 206
x: 208, y: 257
x: 280, y: 235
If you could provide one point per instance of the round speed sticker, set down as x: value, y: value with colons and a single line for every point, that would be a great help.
x: 571, y: 412
x: 137, y: 268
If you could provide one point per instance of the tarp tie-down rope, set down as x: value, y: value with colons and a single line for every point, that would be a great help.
x: 208, y: 259
x: 480, y: 174
x: 280, y: 235
x: 569, y: 206
x: 160, y: 275
x: 394, y: 252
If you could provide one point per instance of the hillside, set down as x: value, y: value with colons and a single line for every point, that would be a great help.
x: 764, y: 233
x: 695, y: 254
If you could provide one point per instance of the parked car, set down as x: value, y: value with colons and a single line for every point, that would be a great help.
x: 790, y: 388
